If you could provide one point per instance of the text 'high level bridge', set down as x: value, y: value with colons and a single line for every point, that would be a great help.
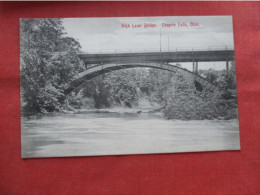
x: 100, y: 62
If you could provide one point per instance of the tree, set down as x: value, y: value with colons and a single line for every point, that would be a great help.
x: 48, y: 61
x: 187, y: 103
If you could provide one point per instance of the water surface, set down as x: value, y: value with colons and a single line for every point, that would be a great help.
x: 89, y: 133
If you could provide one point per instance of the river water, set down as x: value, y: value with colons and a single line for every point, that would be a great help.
x: 88, y: 133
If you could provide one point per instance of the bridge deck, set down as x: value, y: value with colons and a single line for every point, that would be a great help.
x: 163, y: 57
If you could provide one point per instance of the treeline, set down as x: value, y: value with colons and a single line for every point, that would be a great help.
x: 178, y: 96
x: 188, y: 103
x: 122, y: 88
x: 45, y: 77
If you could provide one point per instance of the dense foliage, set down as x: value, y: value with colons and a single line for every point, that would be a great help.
x: 178, y: 96
x: 44, y: 78
x: 187, y: 103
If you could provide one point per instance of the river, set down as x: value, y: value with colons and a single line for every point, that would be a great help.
x: 90, y: 133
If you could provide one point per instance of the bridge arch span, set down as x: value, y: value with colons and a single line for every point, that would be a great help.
x: 101, y: 69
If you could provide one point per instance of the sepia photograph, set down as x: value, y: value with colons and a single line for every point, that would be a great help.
x: 127, y: 85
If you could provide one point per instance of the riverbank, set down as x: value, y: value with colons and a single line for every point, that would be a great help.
x: 144, y: 106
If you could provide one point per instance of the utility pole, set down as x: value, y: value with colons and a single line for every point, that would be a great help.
x: 160, y: 41
x: 161, y: 45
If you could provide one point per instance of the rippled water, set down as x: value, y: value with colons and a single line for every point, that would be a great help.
x: 87, y: 134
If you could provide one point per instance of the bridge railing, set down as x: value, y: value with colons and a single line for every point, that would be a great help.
x: 150, y: 50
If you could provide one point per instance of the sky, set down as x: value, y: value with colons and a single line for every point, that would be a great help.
x: 129, y: 34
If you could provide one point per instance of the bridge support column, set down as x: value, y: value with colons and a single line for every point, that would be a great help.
x: 227, y: 68
x: 101, y: 61
x: 195, y: 67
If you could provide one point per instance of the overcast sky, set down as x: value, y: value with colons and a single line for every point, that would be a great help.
x: 107, y: 34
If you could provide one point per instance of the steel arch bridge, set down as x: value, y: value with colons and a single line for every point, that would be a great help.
x: 102, y: 63
x: 98, y: 70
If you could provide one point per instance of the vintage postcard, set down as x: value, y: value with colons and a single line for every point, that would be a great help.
x: 127, y: 85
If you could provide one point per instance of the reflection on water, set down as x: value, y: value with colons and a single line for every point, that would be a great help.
x: 89, y: 133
